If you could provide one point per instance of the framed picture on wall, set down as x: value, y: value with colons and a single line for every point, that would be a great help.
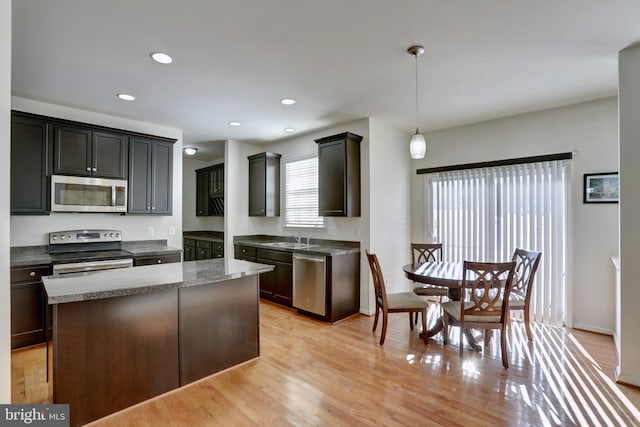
x: 601, y: 187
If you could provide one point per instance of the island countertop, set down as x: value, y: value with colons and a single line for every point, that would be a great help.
x: 139, y: 280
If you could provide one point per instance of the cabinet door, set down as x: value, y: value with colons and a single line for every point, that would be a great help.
x: 72, y: 151
x: 27, y: 314
x: 30, y: 139
x: 283, y: 292
x: 139, y: 176
x: 189, y: 253
x: 268, y: 282
x: 216, y: 181
x: 162, y: 178
x: 202, y: 193
x: 331, y: 173
x: 257, y: 186
x: 109, y: 155
x: 203, y: 253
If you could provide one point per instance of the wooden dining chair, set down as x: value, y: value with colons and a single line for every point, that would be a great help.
x: 400, y: 302
x: 484, y: 303
x: 526, y: 267
x: 427, y: 252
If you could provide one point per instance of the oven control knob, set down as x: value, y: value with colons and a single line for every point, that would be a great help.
x: 117, y: 234
x: 110, y: 234
x: 54, y: 237
x: 62, y: 237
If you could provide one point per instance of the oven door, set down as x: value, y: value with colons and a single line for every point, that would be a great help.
x: 80, y: 267
x: 86, y: 194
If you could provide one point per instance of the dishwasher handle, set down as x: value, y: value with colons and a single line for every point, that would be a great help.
x: 309, y: 258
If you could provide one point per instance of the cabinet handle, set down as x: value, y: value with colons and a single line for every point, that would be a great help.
x: 159, y: 261
x: 153, y: 207
x: 94, y: 169
x: 148, y: 208
x: 32, y: 274
x: 88, y: 169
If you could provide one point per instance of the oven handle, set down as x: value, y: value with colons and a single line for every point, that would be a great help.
x: 113, y: 195
x: 77, y: 267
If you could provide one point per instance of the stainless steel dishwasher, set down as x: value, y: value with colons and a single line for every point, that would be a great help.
x: 309, y: 288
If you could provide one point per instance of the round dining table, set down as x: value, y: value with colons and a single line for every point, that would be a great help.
x: 447, y: 274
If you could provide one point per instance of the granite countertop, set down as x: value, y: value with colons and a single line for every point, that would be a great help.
x: 316, y: 246
x: 149, y: 248
x: 29, y: 255
x: 140, y: 280
x: 212, y: 236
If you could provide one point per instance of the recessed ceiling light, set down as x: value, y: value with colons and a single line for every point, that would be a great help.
x: 287, y: 101
x: 234, y: 123
x: 289, y: 130
x: 126, y: 97
x: 161, y: 58
x: 190, y: 151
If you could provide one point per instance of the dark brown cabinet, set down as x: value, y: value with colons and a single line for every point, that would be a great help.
x: 155, y: 259
x: 210, y: 191
x: 196, y: 249
x: 276, y: 285
x: 28, y: 305
x: 86, y: 152
x: 264, y: 184
x: 189, y: 249
x: 30, y: 145
x: 150, y: 176
x: 245, y: 253
x: 339, y: 175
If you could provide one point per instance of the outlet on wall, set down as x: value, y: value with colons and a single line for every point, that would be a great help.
x: 150, y: 231
x: 172, y: 231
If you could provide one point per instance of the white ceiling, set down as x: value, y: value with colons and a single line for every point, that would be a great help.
x: 340, y: 59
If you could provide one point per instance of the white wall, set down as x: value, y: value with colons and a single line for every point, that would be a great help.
x: 629, y: 92
x: 191, y: 222
x: 5, y: 155
x: 589, y: 128
x: 28, y: 230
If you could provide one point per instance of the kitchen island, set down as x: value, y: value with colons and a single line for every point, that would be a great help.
x: 123, y: 336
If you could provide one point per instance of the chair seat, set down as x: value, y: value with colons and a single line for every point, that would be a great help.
x: 453, y: 309
x: 405, y: 300
x: 431, y: 291
x: 516, y: 301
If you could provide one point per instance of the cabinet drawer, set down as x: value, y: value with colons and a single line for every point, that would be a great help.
x: 218, y: 246
x: 29, y: 274
x: 189, y: 242
x: 244, y: 252
x: 151, y: 260
x: 204, y: 244
x: 203, y: 253
x: 282, y: 256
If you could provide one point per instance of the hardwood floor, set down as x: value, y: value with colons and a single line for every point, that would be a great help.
x: 314, y: 374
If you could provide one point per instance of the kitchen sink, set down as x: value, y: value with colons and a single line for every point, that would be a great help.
x: 289, y: 245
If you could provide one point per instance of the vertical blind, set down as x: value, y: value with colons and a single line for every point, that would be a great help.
x: 485, y: 214
x: 301, y: 192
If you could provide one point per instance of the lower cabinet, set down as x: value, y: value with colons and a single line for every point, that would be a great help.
x: 276, y: 285
x: 189, y: 249
x: 196, y: 249
x: 155, y: 259
x: 28, y: 305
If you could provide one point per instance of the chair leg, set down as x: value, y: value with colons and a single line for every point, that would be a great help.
x: 503, y: 348
x: 445, y: 329
x: 411, y: 320
x: 487, y: 337
x: 461, y: 341
x: 384, y: 327
x: 424, y: 325
x: 527, y: 324
x: 375, y: 321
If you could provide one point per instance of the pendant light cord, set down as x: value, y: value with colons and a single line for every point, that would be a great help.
x: 417, y: 103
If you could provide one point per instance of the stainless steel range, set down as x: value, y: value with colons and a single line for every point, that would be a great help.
x: 87, y: 250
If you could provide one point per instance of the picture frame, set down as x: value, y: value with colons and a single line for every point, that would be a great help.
x: 601, y: 187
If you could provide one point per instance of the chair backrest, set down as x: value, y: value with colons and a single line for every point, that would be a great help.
x: 426, y: 252
x: 526, y: 267
x: 378, y: 280
x: 487, y: 286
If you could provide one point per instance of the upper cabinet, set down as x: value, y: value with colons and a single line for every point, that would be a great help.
x: 31, y: 140
x: 264, y: 184
x: 339, y: 175
x: 86, y: 152
x: 150, y: 176
x: 210, y: 191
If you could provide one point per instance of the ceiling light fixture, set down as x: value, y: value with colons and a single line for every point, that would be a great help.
x: 418, y: 145
x: 161, y: 58
x: 290, y: 130
x: 126, y: 97
x: 190, y: 151
x: 287, y: 101
x: 234, y: 123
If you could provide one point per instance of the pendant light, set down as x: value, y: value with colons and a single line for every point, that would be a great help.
x: 418, y: 145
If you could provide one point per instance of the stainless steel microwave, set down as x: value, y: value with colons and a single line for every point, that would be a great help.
x: 86, y: 194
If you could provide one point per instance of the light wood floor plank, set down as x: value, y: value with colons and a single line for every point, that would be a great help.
x: 314, y: 374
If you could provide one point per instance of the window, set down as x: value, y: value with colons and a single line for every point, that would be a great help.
x: 301, y: 192
x: 485, y: 214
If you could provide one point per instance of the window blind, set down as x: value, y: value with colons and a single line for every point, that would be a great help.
x: 485, y: 214
x: 301, y: 192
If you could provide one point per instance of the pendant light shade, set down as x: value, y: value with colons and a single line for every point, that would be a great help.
x: 418, y: 145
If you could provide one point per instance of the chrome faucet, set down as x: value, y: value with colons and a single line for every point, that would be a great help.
x: 298, y: 237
